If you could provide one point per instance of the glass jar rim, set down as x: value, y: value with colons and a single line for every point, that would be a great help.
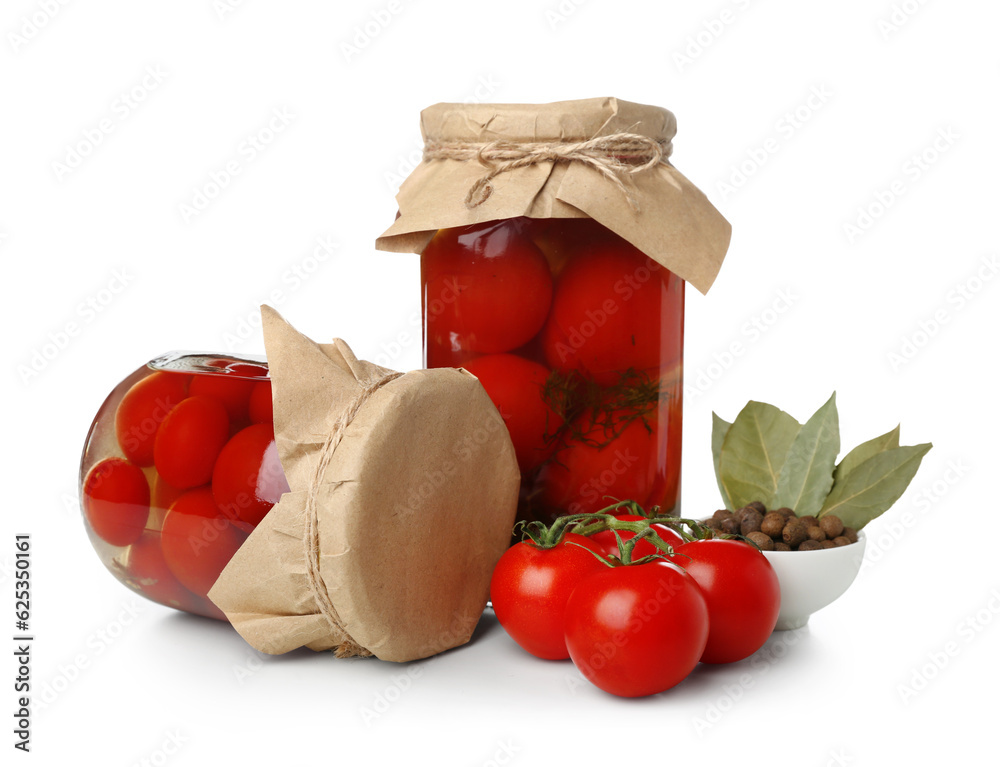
x: 211, y: 363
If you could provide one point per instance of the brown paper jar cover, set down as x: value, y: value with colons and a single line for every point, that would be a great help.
x: 664, y: 215
x: 410, y: 510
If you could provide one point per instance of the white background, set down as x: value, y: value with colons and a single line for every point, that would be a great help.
x: 811, y: 306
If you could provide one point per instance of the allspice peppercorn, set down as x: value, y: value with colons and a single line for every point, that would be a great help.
x: 831, y: 525
x: 763, y: 542
x: 730, y: 525
x: 773, y: 523
x: 816, y: 533
x: 750, y: 522
x: 794, y: 532
x: 781, y: 530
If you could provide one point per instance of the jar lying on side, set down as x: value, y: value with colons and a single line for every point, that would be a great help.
x: 577, y: 336
x: 179, y: 466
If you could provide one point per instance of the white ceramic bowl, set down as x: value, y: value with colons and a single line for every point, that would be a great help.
x: 810, y: 580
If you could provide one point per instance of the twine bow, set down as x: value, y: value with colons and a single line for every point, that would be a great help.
x: 348, y: 647
x: 616, y: 157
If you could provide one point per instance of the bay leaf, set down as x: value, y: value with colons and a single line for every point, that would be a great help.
x: 807, y: 473
x: 866, y: 450
x: 753, y: 452
x: 720, y: 428
x: 874, y: 485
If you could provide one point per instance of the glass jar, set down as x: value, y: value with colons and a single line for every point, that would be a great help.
x: 179, y: 466
x: 577, y: 336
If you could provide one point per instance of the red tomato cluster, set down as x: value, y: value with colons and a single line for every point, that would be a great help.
x: 198, y: 471
x: 576, y: 336
x: 636, y: 629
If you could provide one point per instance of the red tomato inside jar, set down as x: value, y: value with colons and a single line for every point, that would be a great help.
x: 179, y: 467
x: 577, y: 336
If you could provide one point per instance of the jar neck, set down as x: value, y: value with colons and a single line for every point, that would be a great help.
x: 252, y: 367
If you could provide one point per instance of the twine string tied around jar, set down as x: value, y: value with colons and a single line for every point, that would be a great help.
x: 616, y: 156
x: 348, y: 648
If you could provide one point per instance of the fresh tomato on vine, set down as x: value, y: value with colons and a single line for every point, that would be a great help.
x: 637, y: 629
x: 609, y: 544
x: 531, y: 585
x: 741, y: 591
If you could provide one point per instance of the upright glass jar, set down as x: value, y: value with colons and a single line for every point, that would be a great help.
x: 577, y: 336
x: 556, y: 241
x: 179, y: 466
